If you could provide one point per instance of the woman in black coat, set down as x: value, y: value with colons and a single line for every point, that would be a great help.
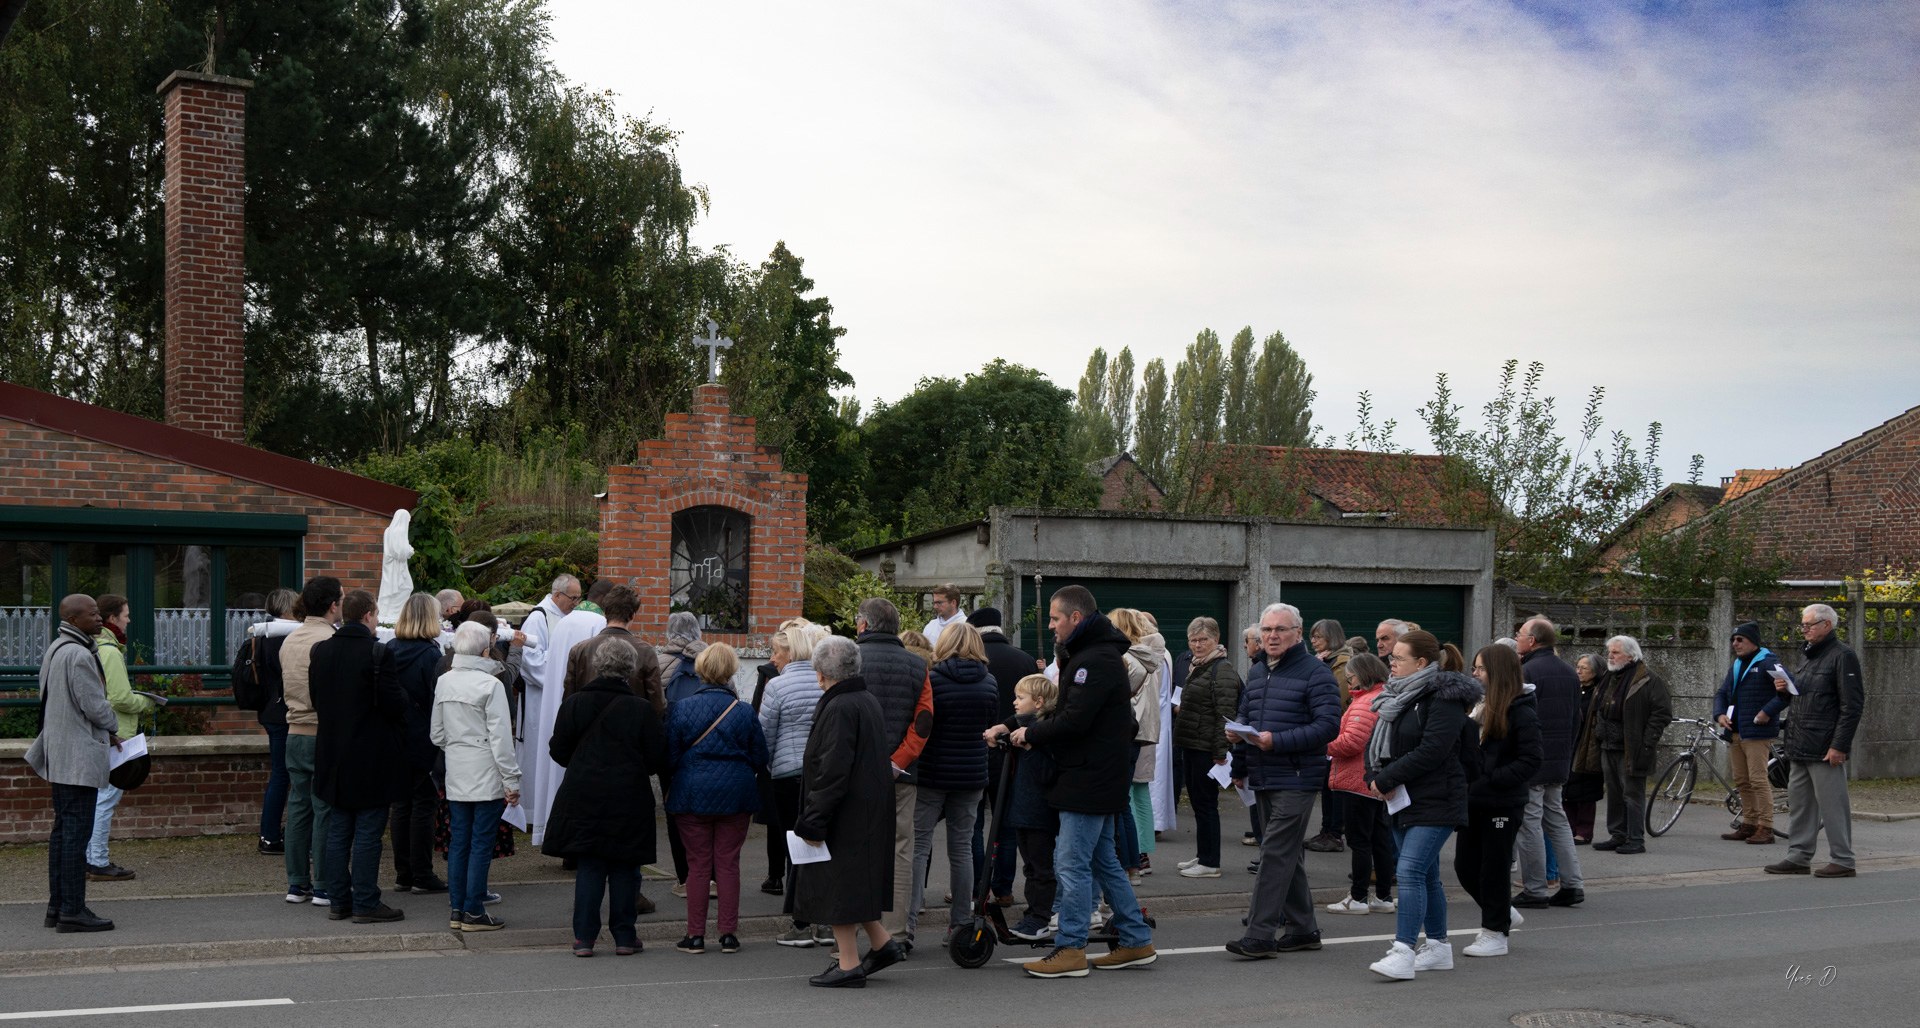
x: 847, y: 803
x: 1510, y: 753
x: 609, y: 740
x: 1419, y: 743
x: 412, y: 661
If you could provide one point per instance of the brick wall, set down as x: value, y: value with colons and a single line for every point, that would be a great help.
x: 708, y: 457
x: 52, y: 469
x: 206, y: 119
x: 184, y: 795
x: 1855, y: 508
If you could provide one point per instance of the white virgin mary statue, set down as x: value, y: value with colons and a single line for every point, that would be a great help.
x: 396, y: 582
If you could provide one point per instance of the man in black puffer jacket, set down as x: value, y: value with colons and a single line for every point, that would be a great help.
x: 897, y: 679
x: 1556, y: 693
x: 1826, y: 713
x: 1090, y: 739
x: 1293, y: 702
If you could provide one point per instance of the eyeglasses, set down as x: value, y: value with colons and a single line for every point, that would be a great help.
x: 572, y: 596
x: 1397, y: 659
x: 1273, y: 630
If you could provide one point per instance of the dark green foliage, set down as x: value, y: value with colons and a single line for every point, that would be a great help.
x: 1687, y: 561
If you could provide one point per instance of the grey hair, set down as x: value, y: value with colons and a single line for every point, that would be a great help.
x: 1250, y: 632
x: 447, y: 596
x: 1508, y: 643
x: 615, y: 658
x: 560, y: 584
x: 683, y: 627
x: 880, y: 615
x: 1285, y: 608
x: 1541, y: 631
x: 1824, y: 613
x: 836, y: 659
x: 1629, y: 644
x: 471, y: 639
x: 1395, y: 625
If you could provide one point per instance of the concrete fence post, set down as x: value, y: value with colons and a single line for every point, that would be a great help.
x: 1856, y: 614
x: 1720, y: 616
x: 1502, y: 609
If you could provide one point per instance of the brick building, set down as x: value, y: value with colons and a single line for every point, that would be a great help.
x: 1125, y: 485
x: 707, y: 520
x: 181, y: 517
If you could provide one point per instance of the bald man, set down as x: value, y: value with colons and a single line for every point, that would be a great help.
x: 76, y: 731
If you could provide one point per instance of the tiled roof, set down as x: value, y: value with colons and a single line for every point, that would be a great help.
x: 194, y: 449
x: 1746, y: 480
x: 1411, y: 487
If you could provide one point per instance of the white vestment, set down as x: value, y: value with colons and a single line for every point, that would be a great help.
x: 1165, y: 818
x: 569, y: 632
x: 529, y: 744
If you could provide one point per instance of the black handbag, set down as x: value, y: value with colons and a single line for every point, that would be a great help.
x: 132, y: 774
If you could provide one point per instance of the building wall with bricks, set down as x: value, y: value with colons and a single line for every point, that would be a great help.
x: 707, y: 457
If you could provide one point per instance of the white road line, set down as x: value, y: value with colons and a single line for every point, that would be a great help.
x: 150, y: 1009
x: 1186, y: 950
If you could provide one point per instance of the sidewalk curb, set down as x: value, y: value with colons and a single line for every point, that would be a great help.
x: 756, y: 930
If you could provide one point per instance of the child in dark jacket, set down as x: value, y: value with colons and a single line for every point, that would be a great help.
x: 1036, y: 824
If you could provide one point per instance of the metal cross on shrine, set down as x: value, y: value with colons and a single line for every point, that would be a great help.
x: 714, y: 342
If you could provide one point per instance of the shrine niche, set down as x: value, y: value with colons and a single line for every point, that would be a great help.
x: 707, y: 521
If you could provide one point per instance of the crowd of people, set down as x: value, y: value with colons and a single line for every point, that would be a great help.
x: 449, y: 730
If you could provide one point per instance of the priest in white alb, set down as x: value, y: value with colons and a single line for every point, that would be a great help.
x: 536, y: 658
x: 583, y: 622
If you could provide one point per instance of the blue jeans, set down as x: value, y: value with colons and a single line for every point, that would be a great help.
x: 103, y: 807
x: 353, y: 857
x: 275, y: 803
x: 619, y: 883
x: 1083, y: 854
x: 470, y: 832
x: 1423, y: 899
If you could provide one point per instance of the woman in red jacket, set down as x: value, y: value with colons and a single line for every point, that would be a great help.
x: 1369, y: 835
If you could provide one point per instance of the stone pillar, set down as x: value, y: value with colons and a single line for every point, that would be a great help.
x: 1502, y: 609
x: 1720, y: 619
x: 206, y: 193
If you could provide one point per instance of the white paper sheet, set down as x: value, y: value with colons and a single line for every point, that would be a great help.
x: 800, y: 851
x: 1247, y: 797
x: 515, y: 815
x: 1398, y: 800
x: 129, y: 749
x: 1221, y: 773
x: 1780, y: 675
x: 1247, y: 732
x: 1178, y: 690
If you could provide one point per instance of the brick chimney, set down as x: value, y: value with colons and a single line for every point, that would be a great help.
x: 206, y: 189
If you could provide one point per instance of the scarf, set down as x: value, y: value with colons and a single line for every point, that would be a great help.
x: 1396, y: 698
x: 118, y: 635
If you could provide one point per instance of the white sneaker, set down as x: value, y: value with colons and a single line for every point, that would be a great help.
x: 1189, y: 862
x: 1514, y: 916
x: 1382, y: 906
x: 1434, y: 956
x: 1489, y: 944
x: 1398, y: 964
x: 1199, y: 871
x: 1134, y: 879
x: 1349, y: 905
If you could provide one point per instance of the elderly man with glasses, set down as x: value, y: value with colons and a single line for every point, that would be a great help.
x: 1826, y: 697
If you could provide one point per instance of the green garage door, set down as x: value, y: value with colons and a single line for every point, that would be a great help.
x: 1172, y: 603
x: 1440, y: 609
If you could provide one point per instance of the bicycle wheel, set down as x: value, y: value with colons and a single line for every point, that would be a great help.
x: 1670, y: 794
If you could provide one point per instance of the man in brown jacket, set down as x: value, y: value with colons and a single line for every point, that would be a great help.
x: 306, y: 813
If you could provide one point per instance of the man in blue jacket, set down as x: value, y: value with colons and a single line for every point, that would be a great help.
x: 1747, y: 703
x: 1293, y: 703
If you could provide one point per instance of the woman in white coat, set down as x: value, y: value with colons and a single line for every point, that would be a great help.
x: 472, y: 726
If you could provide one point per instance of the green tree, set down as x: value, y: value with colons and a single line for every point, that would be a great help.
x: 1281, y: 407
x: 1688, y: 560
x: 1153, y: 424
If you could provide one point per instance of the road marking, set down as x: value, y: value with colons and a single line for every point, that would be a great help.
x: 1187, y: 950
x: 150, y: 1009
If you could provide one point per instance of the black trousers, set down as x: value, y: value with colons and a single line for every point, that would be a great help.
x: 411, y: 822
x: 1204, y: 794
x: 1036, y: 854
x: 67, y: 848
x: 780, y: 820
x: 1483, y: 860
x: 674, y: 842
x: 1370, y: 845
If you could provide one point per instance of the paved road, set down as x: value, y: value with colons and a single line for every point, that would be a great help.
x: 1713, y: 954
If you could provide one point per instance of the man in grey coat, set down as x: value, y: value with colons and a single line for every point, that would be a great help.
x: 76, y: 731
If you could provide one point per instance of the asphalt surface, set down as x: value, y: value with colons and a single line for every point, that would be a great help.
x: 1713, y: 954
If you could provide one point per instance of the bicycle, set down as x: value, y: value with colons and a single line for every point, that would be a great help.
x: 1673, y: 790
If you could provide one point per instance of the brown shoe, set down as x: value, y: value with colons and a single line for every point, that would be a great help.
x: 1061, y: 963
x: 1742, y: 832
x: 1762, y: 837
x: 1126, y: 956
x: 1834, y: 871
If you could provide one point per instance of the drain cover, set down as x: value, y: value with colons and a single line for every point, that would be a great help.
x: 1590, y: 1019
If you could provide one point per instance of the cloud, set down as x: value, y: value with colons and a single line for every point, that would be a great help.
x: 1711, y: 209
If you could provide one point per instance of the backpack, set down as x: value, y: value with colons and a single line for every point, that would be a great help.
x: 681, y: 682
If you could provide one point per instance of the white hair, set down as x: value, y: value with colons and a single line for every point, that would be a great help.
x: 471, y: 639
x: 1823, y: 612
x: 1628, y: 645
x: 1394, y: 625
x: 1508, y: 643
x: 836, y: 659
x: 1251, y: 632
x: 560, y: 584
x: 448, y: 597
x: 1284, y: 608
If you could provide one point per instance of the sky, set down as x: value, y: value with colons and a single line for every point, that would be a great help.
x: 1710, y: 209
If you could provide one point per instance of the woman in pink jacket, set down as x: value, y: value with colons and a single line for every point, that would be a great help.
x: 1369, y: 836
